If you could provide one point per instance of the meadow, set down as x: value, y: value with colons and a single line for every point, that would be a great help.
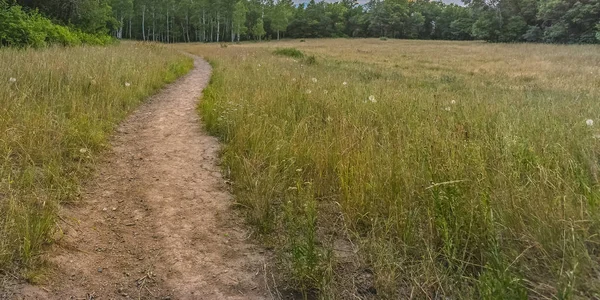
x: 58, y: 106
x: 415, y: 169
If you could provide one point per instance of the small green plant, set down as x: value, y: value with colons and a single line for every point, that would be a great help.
x: 383, y: 38
x: 291, y: 52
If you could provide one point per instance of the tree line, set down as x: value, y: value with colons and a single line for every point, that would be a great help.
x: 553, y: 21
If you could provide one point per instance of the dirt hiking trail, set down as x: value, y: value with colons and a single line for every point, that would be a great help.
x: 156, y: 221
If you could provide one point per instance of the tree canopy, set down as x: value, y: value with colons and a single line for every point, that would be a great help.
x: 552, y: 21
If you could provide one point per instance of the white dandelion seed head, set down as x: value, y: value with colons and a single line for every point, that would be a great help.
x: 453, y: 102
x: 308, y: 91
x: 589, y: 122
x: 127, y: 84
x: 314, y: 80
x: 372, y: 99
x: 12, y: 79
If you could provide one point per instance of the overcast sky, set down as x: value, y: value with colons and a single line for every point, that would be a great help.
x: 365, y: 1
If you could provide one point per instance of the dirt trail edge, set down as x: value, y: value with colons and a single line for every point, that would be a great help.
x: 156, y: 221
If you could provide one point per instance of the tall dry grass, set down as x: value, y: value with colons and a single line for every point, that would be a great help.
x: 415, y: 169
x: 57, y: 108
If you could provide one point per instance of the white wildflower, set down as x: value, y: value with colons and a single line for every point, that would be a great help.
x: 127, y: 84
x: 453, y: 102
x: 259, y: 65
x: 12, y: 79
x: 447, y: 108
x: 372, y: 99
x: 293, y: 79
x: 344, y: 83
x: 314, y: 80
x: 589, y: 122
x: 298, y: 170
x: 308, y: 91
x: 83, y: 150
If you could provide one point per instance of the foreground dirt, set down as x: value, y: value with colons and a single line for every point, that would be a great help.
x: 156, y: 222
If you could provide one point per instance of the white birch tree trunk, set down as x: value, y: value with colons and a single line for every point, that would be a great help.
x: 218, y: 26
x: 144, y: 22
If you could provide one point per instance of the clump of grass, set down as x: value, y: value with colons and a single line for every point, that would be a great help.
x: 450, y: 175
x: 310, y: 60
x: 383, y: 38
x: 58, y: 106
x: 291, y: 52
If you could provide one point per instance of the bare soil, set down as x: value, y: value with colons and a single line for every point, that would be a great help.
x: 156, y: 221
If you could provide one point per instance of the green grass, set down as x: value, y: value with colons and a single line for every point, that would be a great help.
x: 291, y: 52
x: 57, y: 108
x: 416, y: 169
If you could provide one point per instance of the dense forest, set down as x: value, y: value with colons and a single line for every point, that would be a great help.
x: 553, y: 21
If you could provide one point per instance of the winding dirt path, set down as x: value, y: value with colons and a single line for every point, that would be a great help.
x: 156, y: 221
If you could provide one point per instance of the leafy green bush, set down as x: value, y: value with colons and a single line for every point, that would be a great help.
x: 291, y: 52
x: 19, y: 28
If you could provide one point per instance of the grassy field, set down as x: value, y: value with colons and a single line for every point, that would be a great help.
x: 57, y: 108
x: 416, y: 169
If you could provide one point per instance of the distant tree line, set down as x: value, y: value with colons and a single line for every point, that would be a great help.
x: 553, y: 21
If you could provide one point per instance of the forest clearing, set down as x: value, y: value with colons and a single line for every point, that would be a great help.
x: 367, y: 168
x: 347, y: 160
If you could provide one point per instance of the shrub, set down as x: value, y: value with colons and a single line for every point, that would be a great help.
x: 19, y: 28
x: 291, y: 52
